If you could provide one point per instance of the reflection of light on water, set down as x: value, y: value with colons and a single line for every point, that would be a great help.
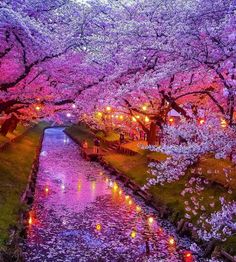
x: 188, y: 257
x: 133, y: 234
x: 171, y: 241
x: 98, y: 227
x: 79, y: 185
x: 93, y: 185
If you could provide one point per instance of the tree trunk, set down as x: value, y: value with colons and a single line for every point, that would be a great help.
x: 14, y: 124
x: 9, y: 125
x: 152, y: 134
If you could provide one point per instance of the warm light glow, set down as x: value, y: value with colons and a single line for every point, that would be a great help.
x: 147, y: 119
x: 223, y: 123
x: 134, y: 119
x: 38, y: 108
x: 99, y: 114
x: 79, y: 185
x: 120, y: 192
x: 30, y: 221
x: 171, y: 241
x: 68, y: 114
x: 115, y: 186
x: 74, y: 106
x: 108, y: 108
x: 62, y: 186
x: 121, y: 117
x: 130, y: 202
x: 46, y: 189
x: 138, y: 208
x: 144, y: 108
x: 126, y: 197
x: 137, y: 116
x: 150, y: 220
x: 98, y: 227
x: 133, y: 234
x: 188, y: 257
x: 171, y: 119
x: 93, y: 185
x: 201, y: 121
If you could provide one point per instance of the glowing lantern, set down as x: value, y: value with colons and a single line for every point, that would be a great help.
x: 171, y: 241
x: 117, y: 116
x: 223, y: 123
x: 146, y: 119
x: 98, y: 227
x: 30, y: 221
x: 38, y: 108
x: 112, y: 116
x: 137, y: 117
x: 201, y: 121
x: 126, y: 197
x: 121, y: 117
x: 134, y: 119
x: 144, y: 108
x: 138, y: 208
x: 188, y: 257
x: 46, y: 189
x: 115, y: 186
x: 130, y: 202
x: 99, y: 114
x: 150, y: 220
x: 68, y: 114
x: 108, y: 108
x: 133, y: 234
x: 120, y: 192
x: 171, y: 120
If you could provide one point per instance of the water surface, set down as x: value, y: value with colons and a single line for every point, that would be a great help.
x: 81, y: 214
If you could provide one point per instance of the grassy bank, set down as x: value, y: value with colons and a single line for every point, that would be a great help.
x: 15, y: 165
x: 135, y: 167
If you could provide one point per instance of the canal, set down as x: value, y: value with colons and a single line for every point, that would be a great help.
x: 81, y: 214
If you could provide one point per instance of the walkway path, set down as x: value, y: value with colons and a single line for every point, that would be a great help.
x: 80, y: 214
